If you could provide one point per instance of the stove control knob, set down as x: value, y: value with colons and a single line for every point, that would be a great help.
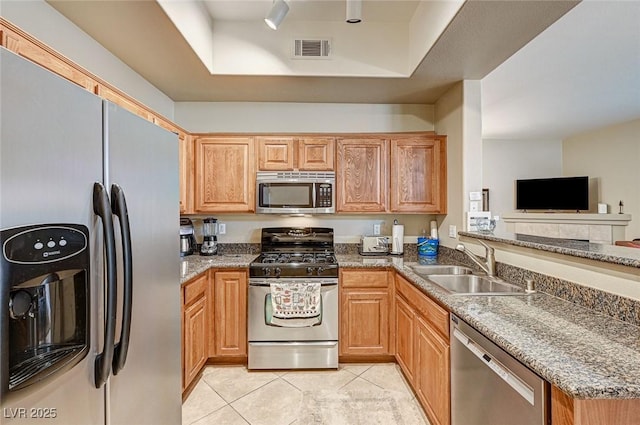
x: 320, y: 270
x: 278, y: 270
x: 309, y: 270
x: 266, y: 271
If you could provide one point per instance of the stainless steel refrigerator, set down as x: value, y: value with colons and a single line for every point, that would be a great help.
x: 89, y: 215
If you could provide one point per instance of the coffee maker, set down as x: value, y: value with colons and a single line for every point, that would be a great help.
x: 209, y: 236
x: 187, y: 237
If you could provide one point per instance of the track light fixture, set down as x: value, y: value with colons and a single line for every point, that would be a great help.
x: 354, y: 11
x: 277, y: 13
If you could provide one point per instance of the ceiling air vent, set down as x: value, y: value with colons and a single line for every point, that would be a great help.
x: 311, y: 49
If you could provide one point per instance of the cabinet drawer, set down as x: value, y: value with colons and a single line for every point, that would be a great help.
x: 436, y: 315
x: 361, y: 278
x: 195, y: 289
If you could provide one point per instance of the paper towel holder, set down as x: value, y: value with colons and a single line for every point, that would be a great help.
x: 397, y: 239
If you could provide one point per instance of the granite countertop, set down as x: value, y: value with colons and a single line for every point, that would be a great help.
x: 599, y: 252
x: 585, y: 354
x: 193, y: 265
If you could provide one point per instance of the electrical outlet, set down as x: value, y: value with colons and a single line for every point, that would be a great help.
x: 222, y: 228
x: 376, y: 229
x: 453, y: 231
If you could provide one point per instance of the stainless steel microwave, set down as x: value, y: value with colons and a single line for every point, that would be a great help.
x: 295, y: 192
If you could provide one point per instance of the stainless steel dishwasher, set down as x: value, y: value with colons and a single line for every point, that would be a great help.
x: 489, y: 386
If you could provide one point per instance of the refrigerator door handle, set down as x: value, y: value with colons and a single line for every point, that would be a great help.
x: 102, y: 208
x: 119, y: 207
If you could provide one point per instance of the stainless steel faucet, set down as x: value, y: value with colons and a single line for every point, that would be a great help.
x: 488, y: 264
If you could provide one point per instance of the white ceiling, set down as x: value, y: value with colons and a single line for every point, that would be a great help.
x: 579, y: 73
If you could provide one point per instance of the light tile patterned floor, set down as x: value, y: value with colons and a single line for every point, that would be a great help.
x: 230, y: 395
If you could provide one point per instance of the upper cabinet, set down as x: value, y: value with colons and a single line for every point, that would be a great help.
x: 224, y: 174
x: 419, y: 175
x: 361, y: 175
x: 295, y: 153
x: 400, y: 174
x: 35, y: 52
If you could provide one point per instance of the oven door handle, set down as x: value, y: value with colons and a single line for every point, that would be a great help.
x: 280, y: 344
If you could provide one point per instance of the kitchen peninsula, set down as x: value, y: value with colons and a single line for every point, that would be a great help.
x: 591, y: 361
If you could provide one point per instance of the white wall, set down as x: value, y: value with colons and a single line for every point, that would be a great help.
x: 448, y: 114
x: 611, y: 155
x: 505, y: 161
x: 46, y: 24
x: 203, y: 117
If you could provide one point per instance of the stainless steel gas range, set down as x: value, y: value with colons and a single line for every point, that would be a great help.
x: 293, y: 300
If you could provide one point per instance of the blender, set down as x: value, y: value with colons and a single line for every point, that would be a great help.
x: 209, y: 237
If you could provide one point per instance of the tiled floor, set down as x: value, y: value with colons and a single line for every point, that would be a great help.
x: 230, y: 395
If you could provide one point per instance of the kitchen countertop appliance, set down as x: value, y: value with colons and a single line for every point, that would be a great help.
x: 209, y: 236
x: 374, y: 245
x: 187, y: 237
x: 298, y: 262
x: 81, y: 284
x: 489, y: 386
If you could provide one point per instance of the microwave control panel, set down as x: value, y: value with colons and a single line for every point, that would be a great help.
x: 324, y: 195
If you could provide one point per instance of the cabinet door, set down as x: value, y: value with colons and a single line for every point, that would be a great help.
x: 195, y: 319
x: 364, y: 325
x: 185, y: 156
x: 405, y: 330
x: 432, y: 382
x: 224, y: 179
x: 418, y: 175
x: 276, y: 153
x: 361, y: 177
x: 316, y: 153
x: 195, y: 327
x: 230, y: 313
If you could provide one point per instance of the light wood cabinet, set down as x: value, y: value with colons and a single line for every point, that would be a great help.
x: 422, y: 349
x: 401, y: 174
x: 185, y: 158
x: 195, y: 322
x: 565, y: 410
x: 28, y: 48
x: 432, y: 379
x: 405, y: 330
x: 295, y: 153
x: 316, y: 153
x: 418, y: 175
x: 224, y: 177
x: 365, y: 308
x: 362, y: 175
x: 229, y: 314
x: 125, y: 102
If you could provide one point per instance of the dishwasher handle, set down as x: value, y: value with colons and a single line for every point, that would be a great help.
x: 503, y: 372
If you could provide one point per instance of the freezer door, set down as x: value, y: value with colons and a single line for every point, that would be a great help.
x: 143, y: 161
x: 50, y: 156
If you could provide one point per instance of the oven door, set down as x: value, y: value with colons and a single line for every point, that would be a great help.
x: 321, y: 328
x: 313, y: 346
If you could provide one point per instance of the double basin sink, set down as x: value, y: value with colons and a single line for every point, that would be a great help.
x: 461, y: 280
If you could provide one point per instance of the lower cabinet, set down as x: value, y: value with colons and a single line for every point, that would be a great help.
x: 566, y: 410
x: 195, y: 323
x: 214, y: 320
x: 422, y: 349
x: 365, y: 307
x: 229, y: 318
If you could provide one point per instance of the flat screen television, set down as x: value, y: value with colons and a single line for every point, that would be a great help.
x: 557, y: 194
